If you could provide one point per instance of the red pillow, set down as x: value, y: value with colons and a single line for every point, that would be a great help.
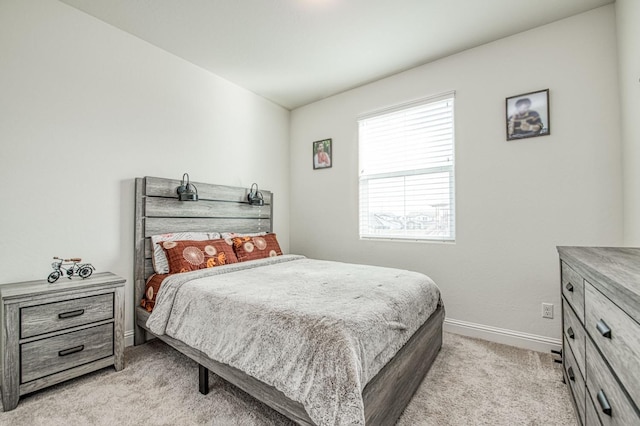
x: 258, y: 247
x: 185, y: 256
x: 151, y: 291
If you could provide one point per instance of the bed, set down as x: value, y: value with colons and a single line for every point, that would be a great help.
x: 390, y: 385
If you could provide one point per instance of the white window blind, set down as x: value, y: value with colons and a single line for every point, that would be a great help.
x: 407, y: 171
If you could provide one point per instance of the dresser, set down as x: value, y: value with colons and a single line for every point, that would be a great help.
x: 55, y: 332
x: 601, y: 333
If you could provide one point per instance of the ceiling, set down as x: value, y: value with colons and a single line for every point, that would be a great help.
x: 295, y: 52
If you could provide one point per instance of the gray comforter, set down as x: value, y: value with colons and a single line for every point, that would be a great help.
x: 318, y: 331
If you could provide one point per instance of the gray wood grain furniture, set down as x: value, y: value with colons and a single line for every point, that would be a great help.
x: 601, y: 333
x: 223, y: 209
x: 54, y: 332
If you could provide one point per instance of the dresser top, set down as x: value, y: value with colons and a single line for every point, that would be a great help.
x: 33, y: 288
x: 615, y: 271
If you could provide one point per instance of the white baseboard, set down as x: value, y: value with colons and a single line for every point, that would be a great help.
x: 128, y: 338
x: 500, y: 335
x: 469, y: 329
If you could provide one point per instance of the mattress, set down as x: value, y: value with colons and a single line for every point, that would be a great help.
x: 318, y: 331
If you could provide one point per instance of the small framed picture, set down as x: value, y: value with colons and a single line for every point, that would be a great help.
x: 528, y: 115
x: 322, y: 154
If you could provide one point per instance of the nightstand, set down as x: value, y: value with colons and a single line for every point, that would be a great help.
x: 55, y: 332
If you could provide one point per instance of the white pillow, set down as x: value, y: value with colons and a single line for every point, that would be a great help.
x: 160, y: 262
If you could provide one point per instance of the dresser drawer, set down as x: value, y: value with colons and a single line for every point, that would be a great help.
x: 604, y: 389
x: 575, y: 380
x: 41, y: 319
x: 574, y: 334
x: 591, y: 415
x: 48, y: 356
x: 573, y: 290
x: 621, y: 347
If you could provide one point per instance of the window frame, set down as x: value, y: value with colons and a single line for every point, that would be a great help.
x: 450, y: 169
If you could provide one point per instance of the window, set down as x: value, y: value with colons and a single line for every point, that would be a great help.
x: 407, y: 171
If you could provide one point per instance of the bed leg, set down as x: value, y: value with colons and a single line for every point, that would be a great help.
x: 203, y: 379
x: 140, y: 336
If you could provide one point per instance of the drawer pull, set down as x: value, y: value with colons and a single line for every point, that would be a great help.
x: 71, y: 314
x: 604, y: 329
x: 570, y: 333
x: 572, y: 376
x: 604, y: 403
x: 569, y: 287
x: 70, y: 351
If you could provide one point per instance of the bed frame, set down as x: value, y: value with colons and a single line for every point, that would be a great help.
x: 222, y: 209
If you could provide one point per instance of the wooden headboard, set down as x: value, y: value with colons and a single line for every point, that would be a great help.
x: 219, y: 209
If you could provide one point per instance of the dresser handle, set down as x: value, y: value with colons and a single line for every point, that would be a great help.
x: 570, y: 333
x: 572, y: 376
x: 604, y: 403
x: 71, y: 314
x: 604, y: 329
x: 70, y: 351
x: 569, y: 287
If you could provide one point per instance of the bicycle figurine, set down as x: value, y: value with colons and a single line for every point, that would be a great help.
x: 71, y: 268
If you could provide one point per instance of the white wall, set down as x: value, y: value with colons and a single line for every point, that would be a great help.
x: 84, y: 109
x: 515, y: 200
x: 627, y: 19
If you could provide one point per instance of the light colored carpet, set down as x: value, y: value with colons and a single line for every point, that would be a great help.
x: 472, y: 382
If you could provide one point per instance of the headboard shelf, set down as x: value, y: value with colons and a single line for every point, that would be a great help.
x: 220, y: 208
x: 159, y: 187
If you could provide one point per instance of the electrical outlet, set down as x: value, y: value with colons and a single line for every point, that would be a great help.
x: 547, y: 310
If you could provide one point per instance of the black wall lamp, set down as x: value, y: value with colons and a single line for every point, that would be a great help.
x: 255, y: 197
x: 187, y: 191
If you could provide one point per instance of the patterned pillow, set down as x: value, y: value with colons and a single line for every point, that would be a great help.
x: 151, y: 291
x: 229, y: 236
x: 251, y: 248
x: 185, y: 256
x: 160, y: 264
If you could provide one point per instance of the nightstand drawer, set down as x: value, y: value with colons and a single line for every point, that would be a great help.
x: 41, y: 319
x: 573, y: 290
x: 617, y: 336
x: 574, y: 335
x: 48, y: 356
x: 610, y: 401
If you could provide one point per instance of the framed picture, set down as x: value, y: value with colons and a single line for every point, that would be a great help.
x: 528, y: 115
x: 322, y: 154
